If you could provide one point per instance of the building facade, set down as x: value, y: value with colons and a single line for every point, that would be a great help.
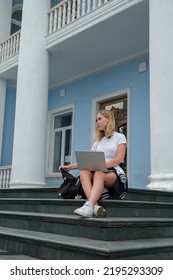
x: 60, y: 62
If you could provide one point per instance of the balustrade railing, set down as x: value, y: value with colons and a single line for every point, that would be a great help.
x: 61, y: 15
x: 68, y: 11
x: 5, y: 175
x: 10, y: 47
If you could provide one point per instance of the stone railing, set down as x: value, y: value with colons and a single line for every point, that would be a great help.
x: 68, y: 11
x: 10, y: 47
x: 5, y: 175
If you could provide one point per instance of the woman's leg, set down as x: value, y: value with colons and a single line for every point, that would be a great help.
x: 93, y: 185
x: 101, y: 180
x: 86, y: 178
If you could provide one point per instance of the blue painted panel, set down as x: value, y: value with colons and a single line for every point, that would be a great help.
x: 8, y: 131
x: 82, y: 92
x: 17, y: 2
x: 55, y: 2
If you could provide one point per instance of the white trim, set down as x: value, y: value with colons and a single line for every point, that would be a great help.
x: 9, y: 63
x: 49, y: 149
x: 17, y: 7
x: 106, y: 97
x: 19, y: 185
x: 161, y: 182
x: 16, y: 22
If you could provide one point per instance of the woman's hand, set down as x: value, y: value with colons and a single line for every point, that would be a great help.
x: 68, y: 167
x: 65, y: 167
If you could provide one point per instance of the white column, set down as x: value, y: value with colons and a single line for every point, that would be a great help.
x: 29, y: 149
x: 5, y: 19
x: 161, y: 94
x: 5, y: 25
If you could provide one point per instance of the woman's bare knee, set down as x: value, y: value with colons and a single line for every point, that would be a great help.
x: 99, y: 175
x: 108, y: 179
x: 85, y: 174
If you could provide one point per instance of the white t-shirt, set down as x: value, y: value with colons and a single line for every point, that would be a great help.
x: 109, y: 145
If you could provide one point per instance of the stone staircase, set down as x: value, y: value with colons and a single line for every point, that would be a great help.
x: 37, y: 224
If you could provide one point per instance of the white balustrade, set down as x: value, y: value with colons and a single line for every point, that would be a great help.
x: 10, y: 47
x: 68, y: 11
x: 5, y: 175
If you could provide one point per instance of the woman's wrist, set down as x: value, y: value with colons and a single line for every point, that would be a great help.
x: 72, y: 166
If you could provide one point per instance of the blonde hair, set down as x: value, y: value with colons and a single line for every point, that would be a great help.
x: 110, y: 128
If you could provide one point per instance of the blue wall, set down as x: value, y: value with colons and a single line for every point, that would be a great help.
x: 83, y: 91
x: 55, y: 2
x: 8, y: 130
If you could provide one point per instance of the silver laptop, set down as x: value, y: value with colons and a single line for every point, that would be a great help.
x: 90, y: 160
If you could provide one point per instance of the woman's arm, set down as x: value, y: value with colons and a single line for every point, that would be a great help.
x: 119, y: 158
x: 69, y: 166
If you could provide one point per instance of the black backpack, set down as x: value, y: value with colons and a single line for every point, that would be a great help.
x: 71, y: 187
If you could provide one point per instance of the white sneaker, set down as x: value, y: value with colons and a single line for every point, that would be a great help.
x: 99, y: 211
x: 86, y: 210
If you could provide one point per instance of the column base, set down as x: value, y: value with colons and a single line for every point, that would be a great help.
x: 26, y: 185
x: 161, y: 182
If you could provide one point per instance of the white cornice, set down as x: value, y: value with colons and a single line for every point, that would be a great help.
x: 9, y: 63
x: 91, y: 19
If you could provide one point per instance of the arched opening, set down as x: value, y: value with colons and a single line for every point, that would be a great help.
x: 16, y: 18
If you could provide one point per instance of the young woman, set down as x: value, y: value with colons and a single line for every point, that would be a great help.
x: 113, y: 144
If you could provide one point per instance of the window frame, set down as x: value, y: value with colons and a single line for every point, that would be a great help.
x: 51, y: 137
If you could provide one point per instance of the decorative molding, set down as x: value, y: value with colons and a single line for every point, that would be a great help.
x: 20, y: 185
x: 9, y: 63
x: 167, y: 187
x: 120, y: 116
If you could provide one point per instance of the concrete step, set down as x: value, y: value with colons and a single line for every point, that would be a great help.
x: 39, y: 224
x: 107, y: 229
x: 53, y: 246
x: 52, y: 192
x: 7, y: 255
x: 150, y: 195
x: 47, y: 192
x: 115, y: 208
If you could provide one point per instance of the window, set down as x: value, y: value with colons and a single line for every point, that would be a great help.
x: 62, y: 139
x: 16, y: 18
